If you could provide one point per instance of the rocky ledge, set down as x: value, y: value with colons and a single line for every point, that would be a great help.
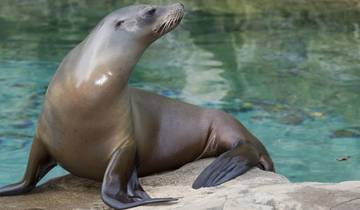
x: 254, y: 190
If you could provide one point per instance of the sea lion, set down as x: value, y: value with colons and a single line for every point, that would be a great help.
x: 95, y: 126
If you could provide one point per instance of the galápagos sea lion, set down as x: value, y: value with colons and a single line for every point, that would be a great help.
x: 95, y: 126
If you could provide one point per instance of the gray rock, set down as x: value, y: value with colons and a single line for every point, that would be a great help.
x: 346, y: 133
x: 255, y: 190
x: 292, y: 119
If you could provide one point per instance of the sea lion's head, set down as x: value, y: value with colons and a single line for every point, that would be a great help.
x: 123, y: 35
x: 142, y: 23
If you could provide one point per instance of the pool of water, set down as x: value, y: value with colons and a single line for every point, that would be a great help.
x: 289, y: 71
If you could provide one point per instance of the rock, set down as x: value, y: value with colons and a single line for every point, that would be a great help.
x: 317, y: 114
x: 255, y: 190
x: 244, y: 107
x: 292, y: 119
x: 346, y: 133
x: 343, y: 158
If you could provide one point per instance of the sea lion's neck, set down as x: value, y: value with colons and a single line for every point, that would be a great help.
x: 96, y: 72
x: 101, y: 62
x: 94, y: 76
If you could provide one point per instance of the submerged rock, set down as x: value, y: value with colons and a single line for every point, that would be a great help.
x: 292, y: 119
x: 255, y: 190
x: 244, y: 107
x: 346, y: 133
x: 317, y: 114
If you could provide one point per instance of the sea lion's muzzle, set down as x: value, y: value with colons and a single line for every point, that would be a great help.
x: 170, y: 19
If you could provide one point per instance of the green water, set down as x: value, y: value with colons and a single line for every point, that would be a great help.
x: 289, y: 70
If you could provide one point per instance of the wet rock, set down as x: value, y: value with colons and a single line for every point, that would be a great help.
x: 269, y: 106
x: 346, y: 133
x: 343, y: 158
x: 276, y: 108
x: 317, y: 114
x: 246, y: 107
x: 292, y: 119
x: 256, y: 190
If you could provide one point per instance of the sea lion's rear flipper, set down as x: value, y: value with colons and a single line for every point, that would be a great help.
x: 121, y: 188
x: 227, y: 166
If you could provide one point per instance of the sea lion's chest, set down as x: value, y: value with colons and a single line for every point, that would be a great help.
x: 82, y: 136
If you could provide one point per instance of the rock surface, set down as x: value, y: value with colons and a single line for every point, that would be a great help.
x: 256, y: 190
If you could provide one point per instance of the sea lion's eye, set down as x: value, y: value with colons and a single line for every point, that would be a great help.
x: 151, y: 11
x: 118, y: 23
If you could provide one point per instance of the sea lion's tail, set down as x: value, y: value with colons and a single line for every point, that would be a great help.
x: 231, y: 164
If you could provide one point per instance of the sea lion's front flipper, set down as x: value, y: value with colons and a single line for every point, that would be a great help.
x: 121, y: 188
x: 39, y: 164
x: 227, y: 166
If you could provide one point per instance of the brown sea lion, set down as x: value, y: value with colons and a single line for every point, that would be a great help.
x: 95, y: 126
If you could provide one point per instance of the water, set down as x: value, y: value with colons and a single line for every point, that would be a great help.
x: 287, y: 70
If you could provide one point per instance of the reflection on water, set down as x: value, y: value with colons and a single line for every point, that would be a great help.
x: 288, y: 70
x: 203, y: 81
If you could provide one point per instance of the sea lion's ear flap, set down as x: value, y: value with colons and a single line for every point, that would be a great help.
x: 227, y: 166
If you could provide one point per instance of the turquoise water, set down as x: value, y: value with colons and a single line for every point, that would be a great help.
x: 290, y: 72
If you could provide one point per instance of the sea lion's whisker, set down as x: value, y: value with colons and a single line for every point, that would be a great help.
x: 169, y: 23
x: 163, y: 29
x: 178, y: 17
x: 159, y: 30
